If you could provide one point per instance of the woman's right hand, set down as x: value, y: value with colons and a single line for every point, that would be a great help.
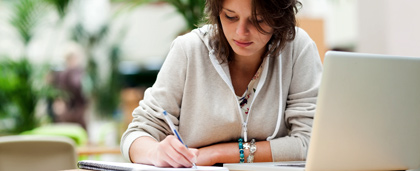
x: 170, y: 152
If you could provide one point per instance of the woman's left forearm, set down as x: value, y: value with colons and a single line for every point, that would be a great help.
x: 229, y: 153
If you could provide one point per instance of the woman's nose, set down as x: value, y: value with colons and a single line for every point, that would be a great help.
x: 243, y: 28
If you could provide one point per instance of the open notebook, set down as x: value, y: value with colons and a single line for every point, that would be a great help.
x: 104, y: 165
x: 367, y: 116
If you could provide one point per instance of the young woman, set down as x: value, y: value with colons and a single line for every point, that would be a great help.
x: 246, y: 83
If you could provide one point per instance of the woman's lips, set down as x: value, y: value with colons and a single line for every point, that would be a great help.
x: 242, y: 43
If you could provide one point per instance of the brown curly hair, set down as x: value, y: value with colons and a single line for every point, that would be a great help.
x: 278, y: 14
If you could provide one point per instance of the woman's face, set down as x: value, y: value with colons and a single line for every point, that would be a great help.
x: 243, y: 37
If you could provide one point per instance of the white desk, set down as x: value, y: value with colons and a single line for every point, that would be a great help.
x: 266, y: 166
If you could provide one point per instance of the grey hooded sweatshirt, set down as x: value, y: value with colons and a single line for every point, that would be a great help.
x: 195, y: 88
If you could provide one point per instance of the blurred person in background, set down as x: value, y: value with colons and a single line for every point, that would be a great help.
x: 70, y: 108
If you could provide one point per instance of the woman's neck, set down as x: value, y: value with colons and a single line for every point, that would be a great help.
x: 245, y: 64
x: 242, y: 70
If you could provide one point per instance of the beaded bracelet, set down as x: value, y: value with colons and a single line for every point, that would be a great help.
x: 241, y: 151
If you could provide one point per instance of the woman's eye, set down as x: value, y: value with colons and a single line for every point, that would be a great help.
x: 229, y: 17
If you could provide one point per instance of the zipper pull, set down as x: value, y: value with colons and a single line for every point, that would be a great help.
x: 245, y: 131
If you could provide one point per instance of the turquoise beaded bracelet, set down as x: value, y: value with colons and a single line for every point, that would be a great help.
x: 241, y: 150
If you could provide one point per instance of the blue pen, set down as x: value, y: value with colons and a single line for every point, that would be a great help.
x: 171, y: 124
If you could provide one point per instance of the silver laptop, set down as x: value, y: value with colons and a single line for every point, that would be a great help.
x: 367, y: 117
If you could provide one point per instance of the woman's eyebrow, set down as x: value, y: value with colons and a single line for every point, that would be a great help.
x: 228, y: 10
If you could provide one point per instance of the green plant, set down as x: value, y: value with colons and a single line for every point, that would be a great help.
x: 108, y: 95
x: 191, y: 10
x: 60, y: 6
x: 26, y: 14
x: 17, y: 96
x: 22, y: 83
x: 20, y: 89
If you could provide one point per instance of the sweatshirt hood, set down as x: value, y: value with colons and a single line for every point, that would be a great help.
x: 204, y: 33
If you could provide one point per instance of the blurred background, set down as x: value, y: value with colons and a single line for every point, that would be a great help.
x: 78, y: 68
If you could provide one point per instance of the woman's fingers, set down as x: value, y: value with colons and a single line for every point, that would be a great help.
x: 177, y: 153
x: 183, y: 150
x: 173, y: 153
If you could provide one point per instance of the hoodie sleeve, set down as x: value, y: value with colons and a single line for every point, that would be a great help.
x: 300, y: 102
x: 165, y: 94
